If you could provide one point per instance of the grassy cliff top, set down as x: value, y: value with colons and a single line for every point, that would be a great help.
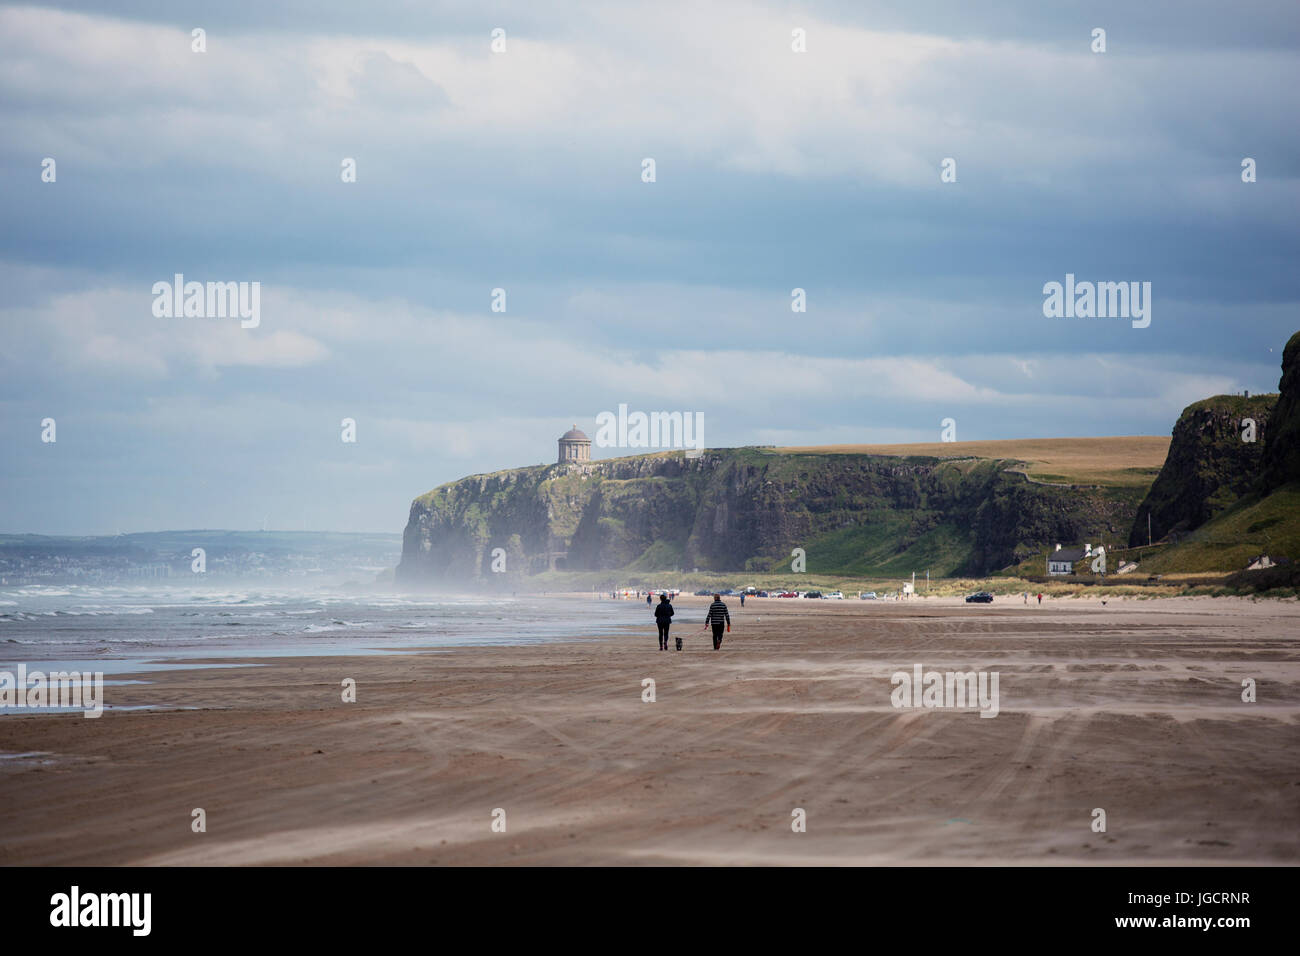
x: 1120, y: 461
x: 1125, y: 461
x: 1237, y: 404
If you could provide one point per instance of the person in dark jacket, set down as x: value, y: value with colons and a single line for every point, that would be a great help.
x: 663, y: 619
x: 719, y: 617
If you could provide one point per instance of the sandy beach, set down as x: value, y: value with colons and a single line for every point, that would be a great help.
x: 1134, y: 707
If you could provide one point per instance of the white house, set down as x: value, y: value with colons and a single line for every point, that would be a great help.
x: 1063, y: 560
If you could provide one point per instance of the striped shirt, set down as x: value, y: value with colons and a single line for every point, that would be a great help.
x: 717, y: 614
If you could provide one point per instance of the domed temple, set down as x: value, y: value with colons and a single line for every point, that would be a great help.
x: 574, y: 446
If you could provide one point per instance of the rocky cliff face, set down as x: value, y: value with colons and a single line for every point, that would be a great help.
x: 738, y: 509
x: 1281, y: 461
x: 1210, y: 465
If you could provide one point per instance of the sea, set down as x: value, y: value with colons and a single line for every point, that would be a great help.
x: 139, y: 629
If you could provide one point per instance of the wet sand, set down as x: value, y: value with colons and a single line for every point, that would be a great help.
x: 1134, y: 707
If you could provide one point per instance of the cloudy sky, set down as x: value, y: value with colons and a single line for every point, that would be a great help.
x: 522, y: 170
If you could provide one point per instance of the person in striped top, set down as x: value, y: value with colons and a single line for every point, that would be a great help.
x: 719, y: 617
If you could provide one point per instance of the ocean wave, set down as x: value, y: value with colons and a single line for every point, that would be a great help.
x: 53, y: 640
x: 33, y: 614
x: 337, y: 626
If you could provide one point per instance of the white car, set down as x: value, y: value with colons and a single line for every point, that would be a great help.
x: 868, y: 596
x: 836, y: 596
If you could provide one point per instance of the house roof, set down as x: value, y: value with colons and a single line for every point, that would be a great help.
x: 574, y: 435
x: 1067, y: 554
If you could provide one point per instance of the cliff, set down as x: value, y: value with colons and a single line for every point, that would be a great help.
x: 1281, y: 461
x: 746, y: 509
x: 1209, y: 465
x: 1256, y: 489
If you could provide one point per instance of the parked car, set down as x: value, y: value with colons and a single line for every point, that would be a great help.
x: 762, y: 594
x: 788, y: 594
x: 869, y: 596
x: 982, y: 597
x: 835, y: 596
x: 812, y: 594
x: 705, y: 593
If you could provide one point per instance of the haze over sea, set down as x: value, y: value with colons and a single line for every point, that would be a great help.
x: 121, y: 629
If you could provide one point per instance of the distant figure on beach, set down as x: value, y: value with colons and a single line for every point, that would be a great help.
x: 663, y: 619
x: 647, y: 598
x: 1040, y: 597
x: 718, y: 616
x: 742, y: 598
x: 1026, y: 597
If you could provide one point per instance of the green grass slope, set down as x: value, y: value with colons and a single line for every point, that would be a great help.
x: 1251, y: 527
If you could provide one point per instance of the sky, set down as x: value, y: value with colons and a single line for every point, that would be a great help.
x: 522, y: 170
